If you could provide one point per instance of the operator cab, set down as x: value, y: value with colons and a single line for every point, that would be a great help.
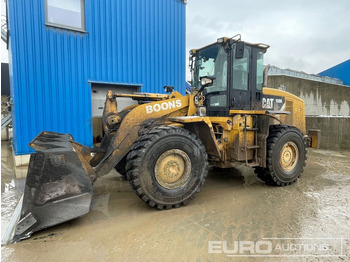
x: 232, y: 74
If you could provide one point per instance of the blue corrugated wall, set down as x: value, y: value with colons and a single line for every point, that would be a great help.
x: 126, y: 42
x: 340, y: 71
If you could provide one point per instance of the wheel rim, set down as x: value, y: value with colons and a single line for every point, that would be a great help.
x: 289, y: 156
x: 172, y: 168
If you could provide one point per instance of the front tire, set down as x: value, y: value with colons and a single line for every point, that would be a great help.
x: 167, y: 167
x: 286, y: 155
x: 120, y: 167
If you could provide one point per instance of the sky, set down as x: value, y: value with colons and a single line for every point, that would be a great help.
x: 4, y: 54
x: 304, y: 35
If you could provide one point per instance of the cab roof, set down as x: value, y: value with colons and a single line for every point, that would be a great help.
x: 225, y: 39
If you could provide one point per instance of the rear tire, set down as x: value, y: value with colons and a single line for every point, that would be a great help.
x: 286, y: 155
x: 167, y: 167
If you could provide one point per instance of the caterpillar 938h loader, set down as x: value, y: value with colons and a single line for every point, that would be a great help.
x: 164, y: 145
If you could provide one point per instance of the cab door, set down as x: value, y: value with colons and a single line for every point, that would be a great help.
x: 247, y: 79
x: 257, y: 78
x: 240, y: 91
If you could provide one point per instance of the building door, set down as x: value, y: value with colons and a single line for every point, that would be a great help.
x: 98, y: 97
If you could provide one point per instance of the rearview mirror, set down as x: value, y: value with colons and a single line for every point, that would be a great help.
x: 239, y: 50
x: 206, y: 81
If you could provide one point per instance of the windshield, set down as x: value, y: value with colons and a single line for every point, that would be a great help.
x: 211, y: 61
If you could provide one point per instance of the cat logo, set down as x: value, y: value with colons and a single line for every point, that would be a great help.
x: 267, y: 103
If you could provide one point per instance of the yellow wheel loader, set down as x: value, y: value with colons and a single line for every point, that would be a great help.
x: 165, y: 143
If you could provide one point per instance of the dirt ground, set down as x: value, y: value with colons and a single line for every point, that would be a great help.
x: 307, y: 221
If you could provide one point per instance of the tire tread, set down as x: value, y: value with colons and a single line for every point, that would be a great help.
x: 135, y: 156
x: 267, y: 174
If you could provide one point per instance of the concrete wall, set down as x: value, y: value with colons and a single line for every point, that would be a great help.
x: 320, y: 98
x: 327, y: 107
x: 335, y: 131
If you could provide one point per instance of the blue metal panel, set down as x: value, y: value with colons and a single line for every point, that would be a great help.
x: 126, y: 41
x: 341, y: 71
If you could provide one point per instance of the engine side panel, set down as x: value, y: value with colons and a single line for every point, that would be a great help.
x: 292, y: 104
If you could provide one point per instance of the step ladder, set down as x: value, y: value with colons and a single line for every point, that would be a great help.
x: 254, y: 147
x: 6, y: 121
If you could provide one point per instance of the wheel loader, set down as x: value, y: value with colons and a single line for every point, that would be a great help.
x: 164, y: 144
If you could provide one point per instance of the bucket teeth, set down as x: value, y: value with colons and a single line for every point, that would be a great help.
x: 23, y: 225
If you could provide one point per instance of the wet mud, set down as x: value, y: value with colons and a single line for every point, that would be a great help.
x: 233, y: 206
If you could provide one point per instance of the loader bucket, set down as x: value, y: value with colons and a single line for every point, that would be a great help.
x: 58, y: 187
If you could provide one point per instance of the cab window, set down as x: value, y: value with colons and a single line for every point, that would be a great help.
x: 241, y: 71
x: 212, y: 61
x: 259, y: 70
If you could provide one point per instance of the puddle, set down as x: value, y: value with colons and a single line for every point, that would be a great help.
x: 233, y: 205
